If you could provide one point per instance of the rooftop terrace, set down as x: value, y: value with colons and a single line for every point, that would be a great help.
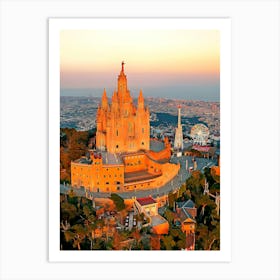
x: 108, y: 158
x: 145, y: 200
x: 139, y: 176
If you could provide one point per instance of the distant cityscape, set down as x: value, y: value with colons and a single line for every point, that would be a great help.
x: 80, y: 113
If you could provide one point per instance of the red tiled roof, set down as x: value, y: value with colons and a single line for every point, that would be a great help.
x: 201, y: 148
x: 145, y: 200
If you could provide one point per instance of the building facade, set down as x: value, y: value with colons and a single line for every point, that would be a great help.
x: 149, y: 207
x: 121, y: 126
x: 186, y: 214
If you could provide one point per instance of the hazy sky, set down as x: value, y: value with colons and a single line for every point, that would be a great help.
x: 175, y: 63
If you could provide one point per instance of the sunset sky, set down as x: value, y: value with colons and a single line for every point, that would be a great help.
x: 176, y: 63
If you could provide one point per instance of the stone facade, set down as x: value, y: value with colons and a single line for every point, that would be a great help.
x: 121, y: 126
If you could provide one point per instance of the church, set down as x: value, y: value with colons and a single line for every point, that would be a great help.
x: 121, y: 126
x: 125, y: 158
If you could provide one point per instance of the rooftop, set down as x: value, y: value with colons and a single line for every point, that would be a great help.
x: 188, y: 204
x: 184, y: 214
x: 139, y: 176
x: 157, y: 220
x: 83, y: 160
x: 108, y: 158
x: 156, y: 145
x: 145, y: 200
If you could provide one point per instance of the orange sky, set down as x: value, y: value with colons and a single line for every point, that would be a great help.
x: 92, y: 58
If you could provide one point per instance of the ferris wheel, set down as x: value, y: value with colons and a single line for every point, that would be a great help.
x: 200, y: 134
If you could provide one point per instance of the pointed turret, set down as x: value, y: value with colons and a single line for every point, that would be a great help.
x: 114, y: 97
x: 104, y: 101
x: 140, y: 97
x: 140, y: 100
x: 122, y: 83
x: 115, y: 102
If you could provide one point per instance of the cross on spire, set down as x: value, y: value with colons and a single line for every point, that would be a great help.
x: 122, y: 65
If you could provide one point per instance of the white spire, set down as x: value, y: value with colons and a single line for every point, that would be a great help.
x: 178, y: 142
x: 179, y: 116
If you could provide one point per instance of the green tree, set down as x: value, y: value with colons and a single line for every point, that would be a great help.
x: 172, y: 196
x: 68, y: 211
x: 169, y: 215
x: 202, y: 234
x: 167, y: 242
x: 182, y: 190
x: 195, y: 184
x: 203, y: 201
x: 119, y: 202
x: 179, y: 238
x: 214, y: 236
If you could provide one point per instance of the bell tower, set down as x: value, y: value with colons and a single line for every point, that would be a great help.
x: 122, y: 84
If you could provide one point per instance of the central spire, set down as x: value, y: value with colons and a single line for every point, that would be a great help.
x: 122, y: 84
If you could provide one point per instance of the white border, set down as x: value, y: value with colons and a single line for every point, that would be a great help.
x: 224, y: 26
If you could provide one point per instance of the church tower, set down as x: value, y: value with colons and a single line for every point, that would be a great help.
x: 178, y: 142
x: 121, y: 126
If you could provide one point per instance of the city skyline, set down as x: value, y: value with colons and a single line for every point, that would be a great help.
x: 180, y: 63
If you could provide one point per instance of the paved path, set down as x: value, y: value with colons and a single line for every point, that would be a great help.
x: 175, y: 183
